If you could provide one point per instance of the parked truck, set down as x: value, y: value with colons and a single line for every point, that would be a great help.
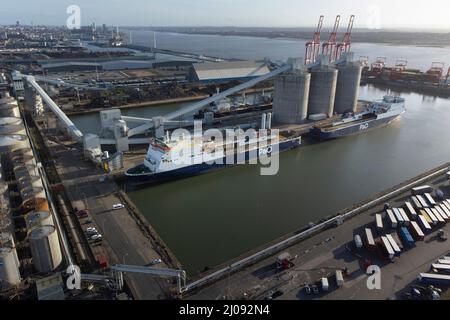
x: 284, y: 261
x: 339, y: 278
x: 405, y: 235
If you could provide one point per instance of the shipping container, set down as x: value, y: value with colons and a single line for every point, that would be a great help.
x: 406, y: 220
x: 447, y: 204
x: 395, y: 236
x: 424, y: 214
x: 416, y: 203
x: 441, y: 267
x: 443, y: 212
x: 325, y: 285
x: 422, y: 201
x: 438, y: 216
x: 442, y: 261
x: 430, y: 199
x: 424, y: 224
x: 416, y: 231
x: 445, y: 209
x: 399, y: 217
x: 434, y: 278
x: 412, y: 212
x: 379, y: 222
x: 391, y: 218
x: 370, y: 242
x: 408, y: 240
x: 433, y: 218
x: 339, y: 278
x: 394, y: 244
x: 388, y: 249
x: 421, y: 190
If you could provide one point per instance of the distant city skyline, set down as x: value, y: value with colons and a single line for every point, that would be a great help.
x: 384, y: 14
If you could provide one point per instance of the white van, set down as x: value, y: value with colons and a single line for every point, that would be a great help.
x: 358, y: 241
x: 325, y: 285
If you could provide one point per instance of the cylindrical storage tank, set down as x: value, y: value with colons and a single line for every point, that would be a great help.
x: 45, y: 248
x: 38, y: 219
x: 11, y: 125
x: 9, y: 271
x: 7, y: 241
x: 26, y: 152
x: 13, y: 142
x: 9, y: 109
x: 37, y: 204
x: 21, y: 160
x: 30, y: 195
x: 33, y: 181
x: 291, y: 95
x: 322, y: 91
x: 347, y: 89
x: 23, y: 171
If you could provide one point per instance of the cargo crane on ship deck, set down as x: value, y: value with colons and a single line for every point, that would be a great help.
x: 378, y: 66
x: 398, y: 70
x: 345, y: 45
x: 329, y: 48
x: 313, y: 47
x: 436, y: 72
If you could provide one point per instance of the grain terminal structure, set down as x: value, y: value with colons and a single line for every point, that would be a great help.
x: 319, y: 92
x: 227, y: 71
x: 291, y: 96
x: 322, y: 90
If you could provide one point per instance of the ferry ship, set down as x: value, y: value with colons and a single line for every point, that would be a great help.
x: 377, y: 114
x: 175, y: 158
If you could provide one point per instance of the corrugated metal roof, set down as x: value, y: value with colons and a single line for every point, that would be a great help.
x: 69, y: 64
x: 230, y: 70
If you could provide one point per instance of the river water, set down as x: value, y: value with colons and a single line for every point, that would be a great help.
x: 208, y: 219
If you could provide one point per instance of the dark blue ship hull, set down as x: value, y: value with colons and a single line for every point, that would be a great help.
x: 322, y: 134
x: 155, y: 178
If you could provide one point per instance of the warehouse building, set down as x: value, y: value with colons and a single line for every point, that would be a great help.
x: 227, y: 71
x: 71, y: 66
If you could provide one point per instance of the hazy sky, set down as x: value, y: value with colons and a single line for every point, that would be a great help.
x: 259, y: 13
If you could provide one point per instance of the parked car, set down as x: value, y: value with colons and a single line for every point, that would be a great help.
x: 155, y: 262
x: 118, y: 206
x: 83, y: 213
x: 96, y: 237
x: 91, y: 230
x: 308, y: 290
x: 277, y: 294
x: 315, y: 289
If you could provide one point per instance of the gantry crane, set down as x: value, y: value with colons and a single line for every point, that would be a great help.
x: 329, y: 48
x: 313, y: 47
x: 345, y: 45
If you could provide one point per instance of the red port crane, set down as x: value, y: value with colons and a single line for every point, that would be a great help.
x: 329, y: 48
x: 346, y: 43
x: 313, y: 47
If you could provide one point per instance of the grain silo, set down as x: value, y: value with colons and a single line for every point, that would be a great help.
x: 30, y: 195
x: 11, y: 125
x: 291, y: 94
x: 9, y: 270
x: 347, y: 89
x: 38, y: 219
x: 322, y: 91
x: 7, y: 241
x: 45, y: 248
x: 13, y: 142
x: 9, y: 107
